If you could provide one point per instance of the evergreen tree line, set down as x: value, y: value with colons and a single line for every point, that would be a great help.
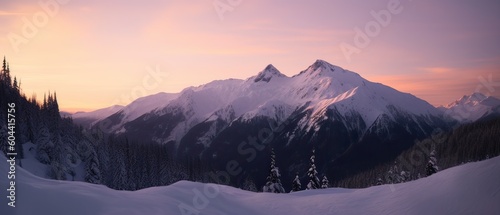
x: 38, y: 123
x: 127, y: 165
x: 273, y: 183
x: 466, y: 143
x: 66, y: 148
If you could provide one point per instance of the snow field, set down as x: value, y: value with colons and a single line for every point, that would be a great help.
x: 473, y: 188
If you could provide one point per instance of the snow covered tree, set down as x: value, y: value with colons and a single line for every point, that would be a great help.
x: 404, y: 176
x: 324, y: 182
x: 118, y: 172
x: 273, y: 184
x: 296, y: 185
x: 432, y: 164
x: 44, y: 145
x: 249, y: 185
x: 314, y: 182
x: 58, y: 165
x: 92, y: 170
x: 379, y: 181
x: 393, y: 175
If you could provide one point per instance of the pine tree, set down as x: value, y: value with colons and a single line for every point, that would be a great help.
x: 16, y: 87
x: 313, y: 174
x: 92, y: 170
x: 404, y: 176
x: 296, y: 185
x: 4, y: 66
x: 249, y: 185
x: 393, y: 175
x: 379, y: 181
x: 6, y: 73
x: 432, y: 164
x: 273, y: 184
x: 324, y: 182
x: 58, y: 164
x: 44, y: 145
x: 117, y: 161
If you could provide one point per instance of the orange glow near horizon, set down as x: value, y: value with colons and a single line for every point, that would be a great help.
x: 94, y: 54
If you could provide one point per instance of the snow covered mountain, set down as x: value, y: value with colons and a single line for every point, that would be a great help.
x: 319, y: 88
x: 474, y: 189
x: 87, y: 119
x: 324, y: 106
x: 134, y: 110
x: 473, y: 107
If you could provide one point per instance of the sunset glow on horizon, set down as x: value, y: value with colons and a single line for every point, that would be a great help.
x: 95, y: 54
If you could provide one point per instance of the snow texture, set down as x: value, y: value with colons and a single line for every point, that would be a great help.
x: 320, y: 87
x: 472, y: 188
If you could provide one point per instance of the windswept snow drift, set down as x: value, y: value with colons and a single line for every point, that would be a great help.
x: 472, y: 188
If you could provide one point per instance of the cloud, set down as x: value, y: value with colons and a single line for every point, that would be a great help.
x: 438, y: 70
x: 440, y: 85
x: 7, y: 13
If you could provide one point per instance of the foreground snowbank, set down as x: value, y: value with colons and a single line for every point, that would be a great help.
x: 472, y: 188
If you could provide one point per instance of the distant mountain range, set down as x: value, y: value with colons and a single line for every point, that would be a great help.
x: 351, y: 122
x: 472, y: 108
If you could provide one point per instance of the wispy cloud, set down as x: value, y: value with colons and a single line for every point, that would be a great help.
x: 455, y: 45
x: 7, y: 13
x: 438, y: 70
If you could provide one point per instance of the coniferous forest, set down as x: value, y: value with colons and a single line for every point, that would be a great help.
x: 67, y: 149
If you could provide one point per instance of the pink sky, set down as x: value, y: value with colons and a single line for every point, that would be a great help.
x: 96, y: 53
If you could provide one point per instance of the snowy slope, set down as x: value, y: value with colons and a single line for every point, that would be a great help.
x: 87, y: 119
x: 98, y: 114
x: 472, y: 188
x: 334, y: 87
x: 472, y: 107
x: 141, y: 106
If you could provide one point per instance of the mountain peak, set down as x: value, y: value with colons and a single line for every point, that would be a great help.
x: 472, y: 99
x: 476, y: 97
x: 270, y: 67
x: 268, y: 73
x: 321, y: 64
x: 473, y: 107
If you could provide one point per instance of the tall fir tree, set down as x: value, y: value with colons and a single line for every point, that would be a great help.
x: 6, y: 73
x: 314, y: 182
x: 432, y: 167
x: 273, y: 184
x: 4, y: 65
x: 325, y: 183
x: 296, y: 185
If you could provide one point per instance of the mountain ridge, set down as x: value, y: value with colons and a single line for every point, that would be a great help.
x: 322, y: 84
x: 345, y: 117
x: 470, y: 108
